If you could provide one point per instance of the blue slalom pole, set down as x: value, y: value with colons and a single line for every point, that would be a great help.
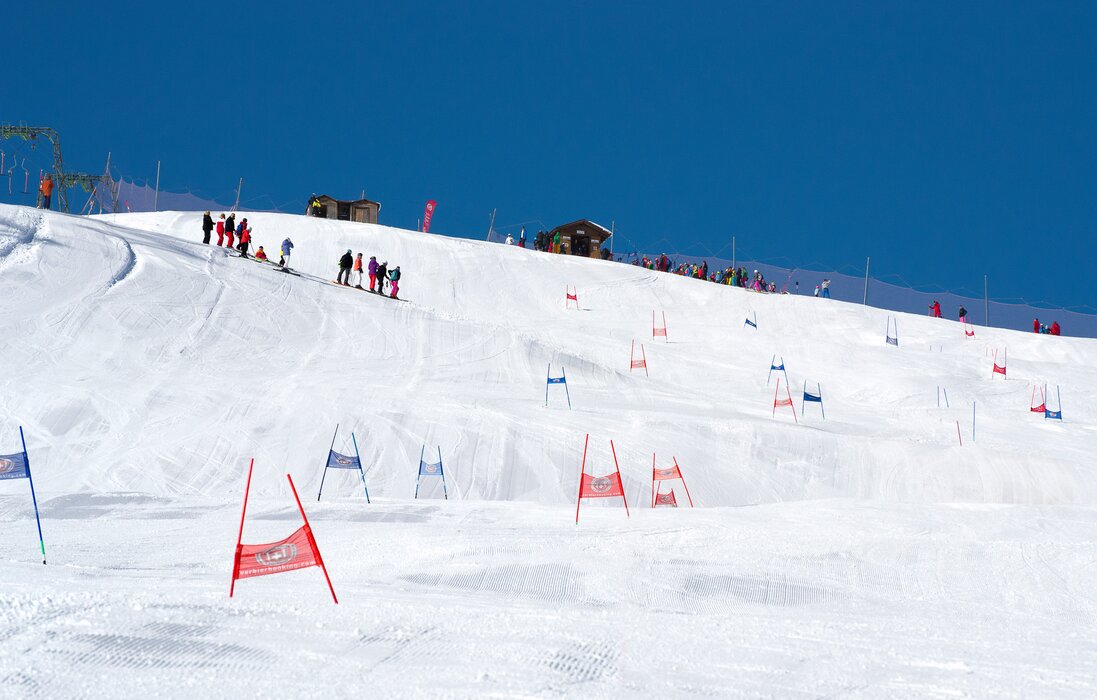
x: 803, y: 398
x: 567, y: 393
x: 1057, y: 395
x: 548, y: 373
x: 419, y: 470
x: 443, y: 471
x: 819, y: 386
x: 326, y: 458
x: 361, y: 471
x: 33, y: 498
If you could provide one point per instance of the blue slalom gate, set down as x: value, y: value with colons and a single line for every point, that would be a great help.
x: 338, y: 460
x: 1050, y: 414
x: 561, y: 380
x: 431, y: 469
x: 776, y: 368
x: 817, y: 397
x: 889, y: 338
x: 17, y: 466
x: 753, y: 324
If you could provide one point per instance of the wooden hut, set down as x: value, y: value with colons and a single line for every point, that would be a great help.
x: 362, y: 211
x: 582, y: 237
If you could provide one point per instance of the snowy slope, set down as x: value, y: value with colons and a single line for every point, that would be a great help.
x: 868, y: 553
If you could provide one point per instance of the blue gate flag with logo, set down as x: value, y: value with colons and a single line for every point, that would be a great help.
x: 430, y: 469
x: 341, y: 461
x: 13, y: 466
x: 557, y: 380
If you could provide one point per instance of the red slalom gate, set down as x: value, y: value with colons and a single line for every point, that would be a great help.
x: 571, y: 294
x: 787, y: 401
x: 969, y: 330
x: 1042, y: 408
x: 657, y: 332
x: 608, y: 486
x: 668, y: 474
x: 298, y: 551
x: 642, y: 362
x: 1000, y: 369
x: 665, y: 499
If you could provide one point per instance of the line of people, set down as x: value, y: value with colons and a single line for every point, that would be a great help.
x: 1038, y: 327
x: 229, y: 233
x: 380, y: 275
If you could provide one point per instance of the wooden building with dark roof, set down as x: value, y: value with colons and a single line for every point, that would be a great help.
x: 582, y: 237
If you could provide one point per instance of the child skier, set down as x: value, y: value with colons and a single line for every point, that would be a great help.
x: 394, y: 278
x: 260, y: 254
x: 358, y: 271
x: 372, y: 271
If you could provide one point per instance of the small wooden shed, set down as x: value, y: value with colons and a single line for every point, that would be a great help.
x: 363, y: 211
x: 582, y: 237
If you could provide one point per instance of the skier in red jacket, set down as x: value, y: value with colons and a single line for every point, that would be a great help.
x: 1035, y: 325
x: 1055, y: 328
x: 221, y: 230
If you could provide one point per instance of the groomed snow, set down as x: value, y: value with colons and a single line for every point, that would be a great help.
x: 867, y: 555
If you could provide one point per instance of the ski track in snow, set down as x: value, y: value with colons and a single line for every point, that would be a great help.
x: 867, y: 555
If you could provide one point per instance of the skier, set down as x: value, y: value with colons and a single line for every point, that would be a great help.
x: 315, y: 207
x: 45, y: 188
x: 372, y: 269
x: 1055, y: 329
x: 287, y: 248
x: 556, y: 242
x: 245, y: 239
x: 394, y: 278
x: 230, y: 229
x: 207, y: 227
x: 221, y: 230
x: 382, y: 271
x: 358, y: 271
x: 522, y: 238
x: 510, y: 240
x: 935, y: 307
x: 963, y: 315
x: 345, y: 263
x: 825, y: 289
x: 260, y: 254
x: 240, y: 228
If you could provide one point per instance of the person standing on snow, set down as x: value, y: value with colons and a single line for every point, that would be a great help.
x: 221, y: 230
x: 358, y: 271
x: 372, y: 269
x: 1054, y: 330
x: 935, y: 307
x: 245, y: 239
x: 287, y: 248
x: 345, y: 263
x: 207, y: 227
x: 825, y: 289
x: 394, y: 278
x: 556, y: 242
x: 45, y: 188
x: 240, y: 228
x: 382, y: 275
x: 963, y: 315
x: 510, y: 240
x: 522, y: 238
x: 230, y: 230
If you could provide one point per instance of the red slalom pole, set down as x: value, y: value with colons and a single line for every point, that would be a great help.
x: 582, y: 470
x: 683, y: 478
x: 312, y: 540
x: 240, y: 535
x: 619, y: 481
x: 958, y: 434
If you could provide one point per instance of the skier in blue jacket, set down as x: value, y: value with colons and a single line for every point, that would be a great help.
x: 287, y: 248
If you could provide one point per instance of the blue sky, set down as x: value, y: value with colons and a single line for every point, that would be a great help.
x: 946, y: 140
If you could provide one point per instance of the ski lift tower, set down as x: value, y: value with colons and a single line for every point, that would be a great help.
x: 31, y: 133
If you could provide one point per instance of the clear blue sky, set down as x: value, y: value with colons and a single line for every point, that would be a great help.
x: 943, y: 139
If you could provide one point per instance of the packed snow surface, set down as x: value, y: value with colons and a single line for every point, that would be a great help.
x: 865, y: 555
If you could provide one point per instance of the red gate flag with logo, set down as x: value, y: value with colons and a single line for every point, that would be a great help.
x: 298, y: 551
x: 668, y: 474
x: 608, y: 486
x: 428, y: 214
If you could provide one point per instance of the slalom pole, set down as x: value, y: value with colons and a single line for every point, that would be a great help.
x: 645, y: 355
x: 666, y: 336
x: 619, y: 480
x: 419, y: 470
x: 958, y: 434
x: 548, y: 374
x: 361, y: 471
x: 775, y: 390
x: 973, y: 421
x: 789, y: 395
x: 582, y: 470
x: 312, y: 540
x: 442, y: 470
x: 769, y: 377
x: 33, y: 498
x: 567, y: 393
x: 683, y: 478
x: 652, y: 479
x: 240, y: 535
x: 822, y: 410
x: 1058, y: 395
x: 326, y: 458
x: 804, y: 396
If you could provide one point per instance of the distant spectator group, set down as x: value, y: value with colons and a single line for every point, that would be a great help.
x: 1038, y: 327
